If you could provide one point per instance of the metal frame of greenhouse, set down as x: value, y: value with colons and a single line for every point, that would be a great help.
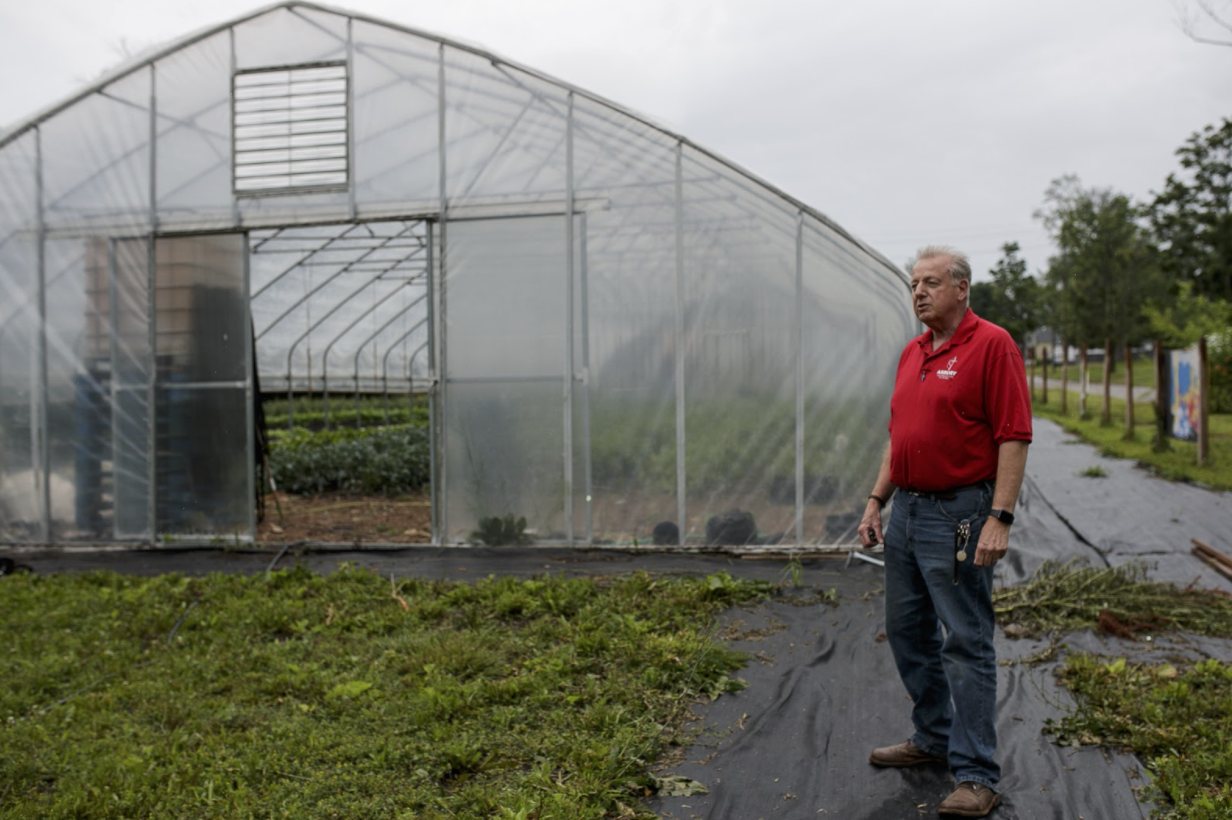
x: 615, y: 327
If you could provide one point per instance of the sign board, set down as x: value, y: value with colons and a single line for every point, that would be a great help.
x: 1184, y: 396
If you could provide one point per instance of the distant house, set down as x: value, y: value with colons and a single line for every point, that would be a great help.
x: 1043, y: 345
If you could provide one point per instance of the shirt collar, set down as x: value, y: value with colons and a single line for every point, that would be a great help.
x: 964, y: 332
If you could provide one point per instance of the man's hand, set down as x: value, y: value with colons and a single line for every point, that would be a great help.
x: 870, y: 524
x: 994, y: 543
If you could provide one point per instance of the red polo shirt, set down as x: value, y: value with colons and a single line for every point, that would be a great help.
x: 952, y: 407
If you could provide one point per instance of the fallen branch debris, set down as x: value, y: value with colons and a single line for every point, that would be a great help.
x: 1213, y: 558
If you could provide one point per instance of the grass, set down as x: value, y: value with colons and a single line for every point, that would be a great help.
x: 1144, y: 372
x: 349, y: 696
x: 1179, y: 462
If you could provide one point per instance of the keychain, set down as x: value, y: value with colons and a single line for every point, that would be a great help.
x: 962, y: 537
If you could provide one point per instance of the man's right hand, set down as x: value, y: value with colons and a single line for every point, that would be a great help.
x: 870, y: 524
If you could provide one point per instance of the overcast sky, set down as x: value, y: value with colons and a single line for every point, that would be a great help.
x: 906, y: 122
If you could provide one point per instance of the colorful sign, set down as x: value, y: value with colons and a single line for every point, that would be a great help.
x: 1184, y: 400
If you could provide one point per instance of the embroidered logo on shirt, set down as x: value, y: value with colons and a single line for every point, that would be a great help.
x: 949, y: 371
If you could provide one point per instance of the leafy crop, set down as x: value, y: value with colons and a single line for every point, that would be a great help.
x: 372, y: 460
x: 343, y: 411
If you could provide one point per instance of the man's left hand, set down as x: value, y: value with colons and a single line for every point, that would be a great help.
x: 994, y: 543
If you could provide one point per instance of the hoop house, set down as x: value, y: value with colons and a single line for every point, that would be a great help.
x: 615, y: 327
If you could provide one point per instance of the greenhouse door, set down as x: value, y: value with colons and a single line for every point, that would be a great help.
x: 203, y: 464
x: 504, y: 299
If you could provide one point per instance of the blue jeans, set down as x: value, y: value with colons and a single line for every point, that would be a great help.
x: 941, y: 632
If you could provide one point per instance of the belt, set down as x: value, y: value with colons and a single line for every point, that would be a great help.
x: 952, y: 492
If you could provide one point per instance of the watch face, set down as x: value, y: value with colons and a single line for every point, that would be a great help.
x: 1003, y: 516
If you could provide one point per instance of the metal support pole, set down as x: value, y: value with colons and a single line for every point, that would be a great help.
x: 350, y: 125
x: 40, y: 446
x: 434, y: 493
x: 250, y: 398
x: 152, y: 325
x: 568, y: 374
x: 681, y: 482
x: 440, y: 398
x: 584, y: 270
x: 797, y: 319
x: 115, y: 389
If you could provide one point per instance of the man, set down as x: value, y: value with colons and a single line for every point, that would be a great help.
x: 960, y: 424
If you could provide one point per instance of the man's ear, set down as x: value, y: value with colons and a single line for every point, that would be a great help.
x: 964, y: 288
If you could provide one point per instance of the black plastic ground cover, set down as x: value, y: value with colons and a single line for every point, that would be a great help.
x: 823, y: 692
x: 822, y: 689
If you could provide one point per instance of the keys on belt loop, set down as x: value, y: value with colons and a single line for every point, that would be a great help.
x: 962, y: 536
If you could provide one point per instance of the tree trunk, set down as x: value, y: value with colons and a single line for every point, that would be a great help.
x: 1105, y: 415
x: 1204, y: 403
x: 1129, y: 393
x: 1064, y: 375
x: 1044, y: 393
x: 1082, y: 381
x: 1161, y: 443
x: 1030, y: 371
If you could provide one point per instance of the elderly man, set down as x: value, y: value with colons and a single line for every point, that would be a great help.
x: 960, y: 424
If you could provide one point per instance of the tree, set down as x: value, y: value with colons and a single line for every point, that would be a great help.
x: 1192, y: 216
x: 1013, y: 299
x: 1211, y: 14
x: 1107, y: 268
x: 1183, y: 321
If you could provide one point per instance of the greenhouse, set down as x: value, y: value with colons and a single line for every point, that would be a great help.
x: 620, y: 336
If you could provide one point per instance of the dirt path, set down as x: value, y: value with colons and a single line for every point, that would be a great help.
x: 344, y: 518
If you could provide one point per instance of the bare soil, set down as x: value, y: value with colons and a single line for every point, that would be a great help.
x: 346, y: 519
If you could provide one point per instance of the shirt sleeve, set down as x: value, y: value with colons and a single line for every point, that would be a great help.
x: 1006, y: 394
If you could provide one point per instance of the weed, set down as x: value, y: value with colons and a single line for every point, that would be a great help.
x: 794, y: 571
x: 496, y: 531
x: 1095, y: 471
x: 289, y: 694
x: 1177, y: 720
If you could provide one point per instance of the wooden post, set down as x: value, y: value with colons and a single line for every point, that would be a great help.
x: 1161, y: 397
x: 1064, y: 375
x: 1105, y: 415
x: 1204, y: 403
x: 1129, y: 392
x: 1082, y: 381
x: 1030, y: 370
x: 1044, y: 367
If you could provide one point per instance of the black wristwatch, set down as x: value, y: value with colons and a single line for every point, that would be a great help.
x: 1004, y: 516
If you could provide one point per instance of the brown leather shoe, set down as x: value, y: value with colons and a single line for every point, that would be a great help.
x: 904, y: 754
x: 969, y: 800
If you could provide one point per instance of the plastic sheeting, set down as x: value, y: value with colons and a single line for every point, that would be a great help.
x: 823, y: 692
x: 683, y: 340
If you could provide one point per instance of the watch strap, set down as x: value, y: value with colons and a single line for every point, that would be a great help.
x: 1004, y: 516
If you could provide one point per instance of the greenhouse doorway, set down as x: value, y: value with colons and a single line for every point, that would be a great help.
x: 342, y: 329
x: 512, y: 357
